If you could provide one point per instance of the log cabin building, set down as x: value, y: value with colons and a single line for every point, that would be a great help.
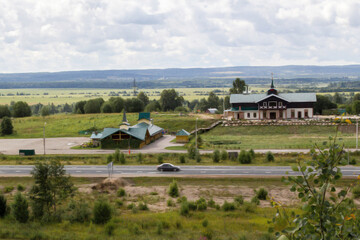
x: 271, y: 105
x: 126, y: 136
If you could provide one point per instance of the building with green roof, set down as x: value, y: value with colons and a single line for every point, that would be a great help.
x: 271, y: 105
x: 182, y: 136
x: 126, y: 136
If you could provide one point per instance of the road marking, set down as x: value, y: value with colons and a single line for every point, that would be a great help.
x: 246, y: 172
x: 267, y: 172
x: 17, y: 171
x: 78, y: 171
x: 139, y: 171
x: 98, y: 171
x: 202, y: 171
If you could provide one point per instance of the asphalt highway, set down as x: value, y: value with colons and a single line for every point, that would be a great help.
x: 118, y: 171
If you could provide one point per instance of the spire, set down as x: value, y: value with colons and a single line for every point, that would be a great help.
x: 124, y: 117
x: 272, y: 81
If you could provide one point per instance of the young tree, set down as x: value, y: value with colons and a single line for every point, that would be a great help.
x: 4, y: 111
x: 216, y: 156
x: 170, y: 99
x: 102, y: 212
x: 3, y: 206
x: 327, y: 213
x: 238, y: 86
x: 21, y: 109
x: 143, y: 97
x: 52, y: 185
x: 45, y: 111
x: 20, y: 208
x: 106, y: 108
x: 6, y: 126
x: 117, y: 104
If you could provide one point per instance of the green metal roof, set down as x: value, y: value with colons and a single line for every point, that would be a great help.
x: 107, y: 132
x: 182, y: 132
x: 144, y: 115
x: 290, y: 97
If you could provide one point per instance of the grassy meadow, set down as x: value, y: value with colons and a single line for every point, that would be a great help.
x: 69, y: 125
x: 273, y: 137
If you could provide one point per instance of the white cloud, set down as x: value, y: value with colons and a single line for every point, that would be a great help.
x: 52, y: 35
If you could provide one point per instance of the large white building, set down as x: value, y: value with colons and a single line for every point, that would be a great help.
x: 271, y: 105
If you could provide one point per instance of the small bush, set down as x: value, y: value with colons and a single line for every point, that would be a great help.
x: 159, y: 229
x: 355, y: 191
x: 121, y: 192
x: 182, y: 159
x: 143, y: 206
x: 3, y: 206
x: 192, y: 206
x: 184, y: 208
x: 178, y: 224
x: 20, y: 188
x: 211, y: 203
x: 122, y: 158
x: 216, y: 156
x: 181, y: 199
x: 116, y: 155
x: 109, y: 158
x: 192, y: 152
x: 252, y: 154
x: 131, y: 206
x: 170, y: 203
x: 140, y: 158
x: 80, y: 213
x: 110, y: 228
x: 20, y: 208
x: 217, y: 207
x: 8, y: 189
x: 102, y: 212
x: 198, y: 158
x: 249, y: 207
x: 201, y: 204
x: 154, y: 193
x: 205, y: 223
x: 239, y: 200
x: 119, y: 203
x: 224, y: 155
x: 173, y: 189
x: 244, y: 157
x: 261, y: 194
x: 352, y: 161
x: 255, y: 200
x: 270, y: 157
x: 160, y: 159
x: 228, y: 206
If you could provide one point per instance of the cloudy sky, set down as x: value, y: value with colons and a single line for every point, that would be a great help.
x: 62, y: 35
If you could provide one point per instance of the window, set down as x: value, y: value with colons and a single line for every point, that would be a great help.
x: 248, y: 115
x: 306, y: 114
x: 255, y: 115
x: 272, y: 104
x: 292, y: 114
x: 265, y: 104
x: 280, y: 104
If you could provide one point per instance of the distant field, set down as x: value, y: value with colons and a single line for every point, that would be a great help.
x: 273, y: 137
x: 68, y: 125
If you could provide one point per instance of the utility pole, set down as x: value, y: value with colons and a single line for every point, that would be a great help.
x: 44, y: 137
x: 357, y: 133
x: 196, y: 144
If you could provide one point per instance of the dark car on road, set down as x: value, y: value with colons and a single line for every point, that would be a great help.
x: 167, y: 167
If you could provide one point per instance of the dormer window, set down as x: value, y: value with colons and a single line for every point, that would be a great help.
x: 280, y: 104
x: 265, y: 104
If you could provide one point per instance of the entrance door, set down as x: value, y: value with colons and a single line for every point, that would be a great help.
x: 272, y: 115
x: 299, y: 114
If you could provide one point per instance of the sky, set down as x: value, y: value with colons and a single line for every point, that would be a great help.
x: 66, y: 35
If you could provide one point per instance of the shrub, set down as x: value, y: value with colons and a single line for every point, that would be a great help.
x: 3, y: 206
x: 355, y: 191
x: 228, y: 206
x: 130, y: 206
x: 102, y: 212
x: 205, y: 223
x: 352, y: 161
x: 160, y: 159
x: 224, y: 155
x: 261, y: 194
x: 192, y: 206
x: 270, y: 157
x: 170, y: 203
x: 255, y: 200
x: 173, y: 189
x: 201, y: 204
x: 159, y: 229
x: 140, y: 158
x: 184, y: 208
x: 252, y: 154
x: 122, y: 158
x: 216, y: 156
x: 121, y: 192
x: 143, y: 206
x: 117, y: 155
x: 119, y: 203
x: 154, y: 193
x: 198, y: 158
x: 109, y: 158
x: 20, y: 208
x: 81, y: 213
x: 192, y: 151
x: 239, y: 199
x: 8, y: 189
x: 20, y: 188
x: 181, y: 199
x: 110, y: 228
x: 249, y: 207
x: 211, y: 203
x: 182, y: 159
x: 244, y: 157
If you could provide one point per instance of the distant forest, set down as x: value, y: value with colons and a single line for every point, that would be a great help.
x: 182, y: 78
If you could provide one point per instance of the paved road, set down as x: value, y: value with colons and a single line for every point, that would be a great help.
x: 118, y: 171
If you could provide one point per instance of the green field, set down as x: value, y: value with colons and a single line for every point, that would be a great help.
x: 273, y: 137
x: 69, y: 125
